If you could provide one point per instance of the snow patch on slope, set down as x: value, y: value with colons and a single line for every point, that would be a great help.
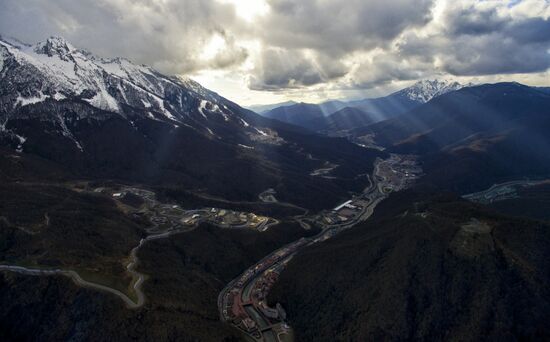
x: 217, y: 109
x: 246, y: 147
x: 58, y: 96
x: 146, y: 103
x: 163, y: 109
x: 202, y: 107
x: 3, y: 56
x: 104, y: 100
x: 22, y: 140
x: 261, y: 132
x: 25, y: 101
x: 245, y: 124
x: 67, y: 133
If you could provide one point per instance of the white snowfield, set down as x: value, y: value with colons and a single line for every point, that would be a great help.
x: 24, y: 101
x: 71, y: 72
x: 3, y: 55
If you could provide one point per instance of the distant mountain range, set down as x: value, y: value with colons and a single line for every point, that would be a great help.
x: 326, y: 117
x: 469, y: 136
x: 342, y: 120
x: 473, y: 137
x: 265, y: 108
x: 109, y: 118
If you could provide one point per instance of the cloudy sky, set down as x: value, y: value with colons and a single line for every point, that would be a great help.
x: 268, y: 51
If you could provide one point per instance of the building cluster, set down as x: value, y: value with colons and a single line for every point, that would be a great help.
x: 504, y: 191
x: 235, y: 312
x: 500, y: 194
x: 258, y: 280
x: 261, y: 288
x: 398, y: 172
x: 263, y: 284
x: 346, y: 212
x: 225, y: 218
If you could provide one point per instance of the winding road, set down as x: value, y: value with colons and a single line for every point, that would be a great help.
x: 77, y: 279
x: 133, y: 261
x: 137, y: 282
x: 240, y: 287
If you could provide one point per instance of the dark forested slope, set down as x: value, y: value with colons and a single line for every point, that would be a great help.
x: 185, y: 274
x: 423, y: 268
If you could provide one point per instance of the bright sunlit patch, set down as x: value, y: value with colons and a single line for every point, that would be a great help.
x: 249, y: 9
x: 213, y: 47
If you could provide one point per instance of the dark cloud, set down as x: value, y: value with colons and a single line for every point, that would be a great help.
x: 301, y: 43
x: 340, y: 27
x: 169, y: 35
x: 384, y: 69
x: 483, y: 42
x: 472, y: 21
x: 530, y: 31
x: 494, y: 54
x: 333, y: 29
x: 282, y: 69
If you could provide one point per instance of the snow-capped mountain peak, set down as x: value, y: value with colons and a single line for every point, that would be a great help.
x: 57, y: 67
x: 108, y: 84
x: 54, y: 46
x: 425, y: 90
x: 54, y: 70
